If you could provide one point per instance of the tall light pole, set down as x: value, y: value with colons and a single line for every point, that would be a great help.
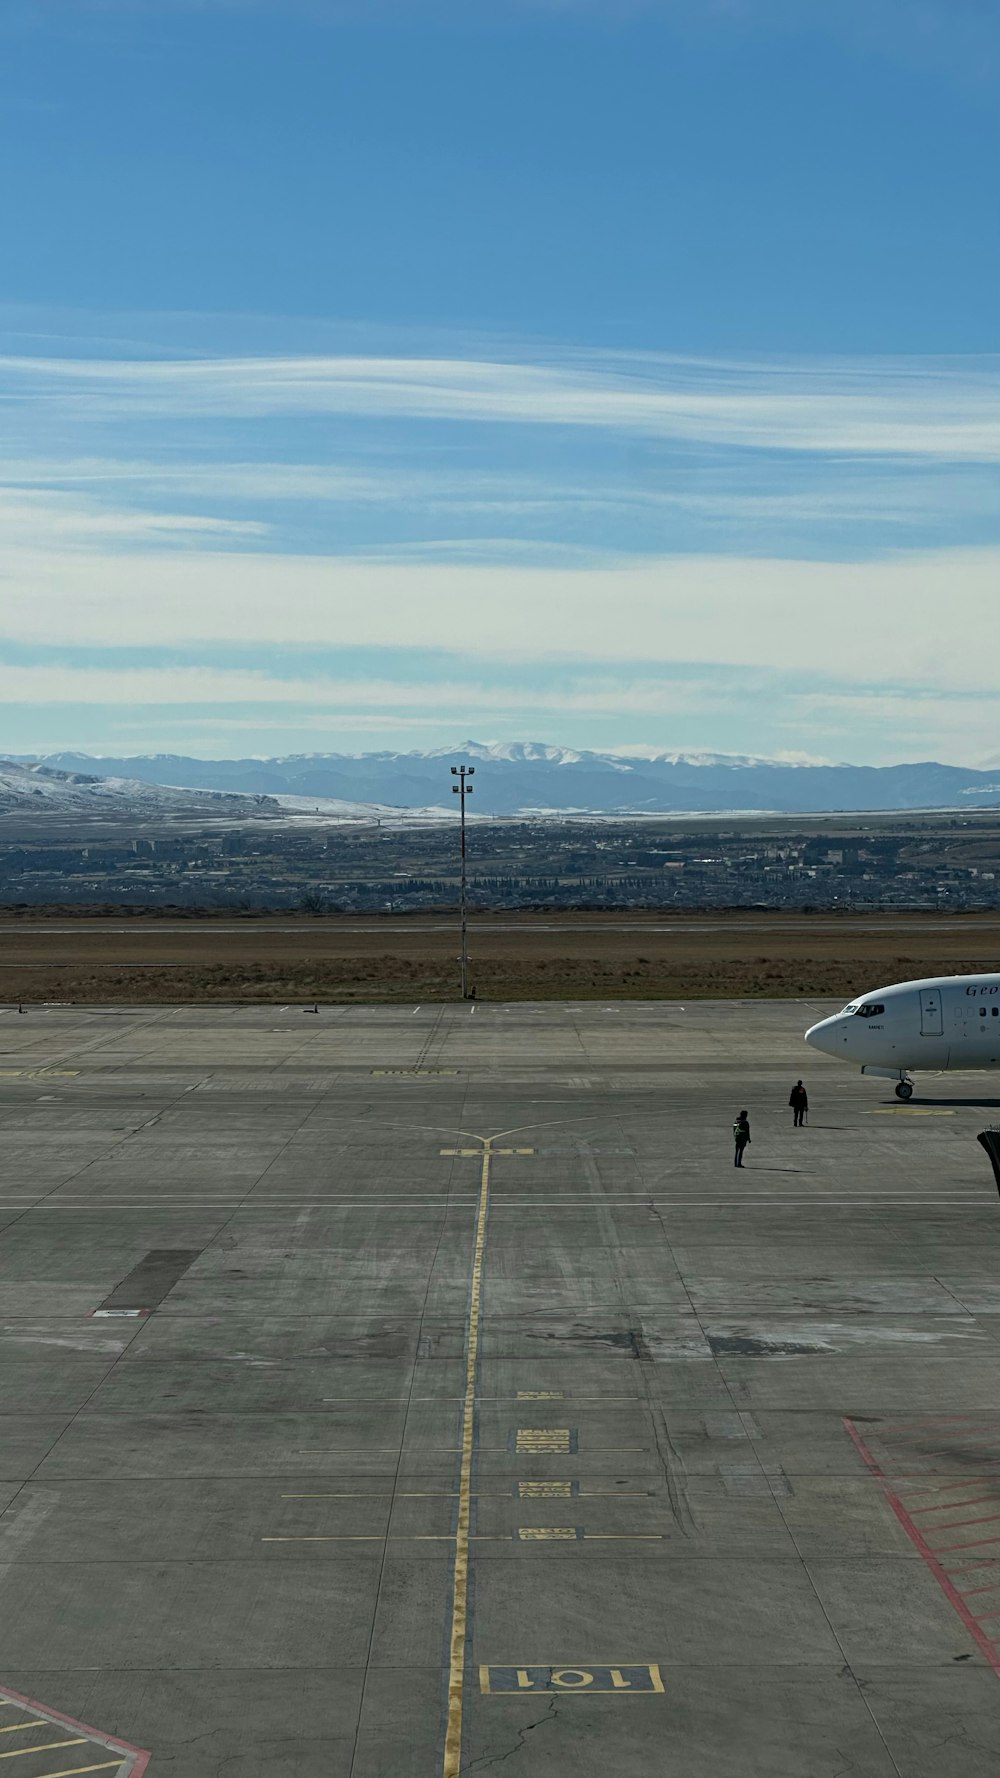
x: 462, y: 789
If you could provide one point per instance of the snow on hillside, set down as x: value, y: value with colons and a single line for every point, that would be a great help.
x: 28, y: 787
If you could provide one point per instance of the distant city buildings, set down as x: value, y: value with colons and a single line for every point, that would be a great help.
x: 907, y: 861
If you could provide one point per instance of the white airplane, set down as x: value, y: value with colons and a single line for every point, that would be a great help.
x: 946, y: 1023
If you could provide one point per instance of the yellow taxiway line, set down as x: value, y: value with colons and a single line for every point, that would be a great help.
x: 460, y: 1587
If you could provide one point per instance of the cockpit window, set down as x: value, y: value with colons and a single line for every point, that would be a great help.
x: 852, y: 1007
x: 870, y: 1010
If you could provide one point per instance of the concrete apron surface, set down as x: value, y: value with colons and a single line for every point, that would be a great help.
x: 419, y: 1392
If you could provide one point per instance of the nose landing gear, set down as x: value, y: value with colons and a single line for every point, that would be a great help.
x: 904, y: 1089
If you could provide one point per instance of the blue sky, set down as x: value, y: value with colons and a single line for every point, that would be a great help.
x: 621, y: 375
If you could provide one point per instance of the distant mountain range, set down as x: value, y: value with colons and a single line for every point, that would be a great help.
x: 34, y: 789
x: 530, y: 776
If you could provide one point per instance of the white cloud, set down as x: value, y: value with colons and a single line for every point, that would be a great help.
x: 93, y: 554
x: 199, y: 703
x: 918, y: 619
x: 67, y: 684
x: 889, y: 494
x: 899, y: 724
x: 26, y: 516
x: 935, y: 408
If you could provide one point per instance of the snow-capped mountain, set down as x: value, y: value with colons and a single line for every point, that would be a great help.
x: 28, y: 787
x: 529, y: 775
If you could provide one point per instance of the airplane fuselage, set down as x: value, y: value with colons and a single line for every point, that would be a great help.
x: 948, y: 1022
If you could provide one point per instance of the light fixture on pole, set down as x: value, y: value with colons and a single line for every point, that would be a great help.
x: 462, y: 789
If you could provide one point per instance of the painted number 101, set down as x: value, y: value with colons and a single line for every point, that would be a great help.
x: 628, y: 1678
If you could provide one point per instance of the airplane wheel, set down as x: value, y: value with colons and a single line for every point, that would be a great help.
x: 904, y: 1090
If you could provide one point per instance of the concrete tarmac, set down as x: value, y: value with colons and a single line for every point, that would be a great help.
x: 420, y: 1392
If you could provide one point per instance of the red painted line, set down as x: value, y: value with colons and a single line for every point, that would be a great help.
x: 932, y: 1420
x: 950, y: 1591
x: 976, y: 1438
x: 979, y: 1544
x: 987, y: 1519
x: 930, y: 1475
x: 113, y: 1743
x: 970, y: 1592
x: 933, y: 1489
x: 943, y: 1487
x: 984, y: 1474
x: 951, y: 1506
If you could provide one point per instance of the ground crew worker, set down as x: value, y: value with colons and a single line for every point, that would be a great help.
x: 741, y: 1136
x: 798, y: 1099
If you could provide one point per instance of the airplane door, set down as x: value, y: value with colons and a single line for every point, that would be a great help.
x: 931, y: 1021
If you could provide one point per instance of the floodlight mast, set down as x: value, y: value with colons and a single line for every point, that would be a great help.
x: 462, y: 789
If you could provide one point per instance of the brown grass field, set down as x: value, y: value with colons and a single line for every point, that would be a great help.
x: 514, y: 957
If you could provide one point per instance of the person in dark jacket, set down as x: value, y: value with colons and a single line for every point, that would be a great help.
x: 798, y: 1099
x: 741, y: 1136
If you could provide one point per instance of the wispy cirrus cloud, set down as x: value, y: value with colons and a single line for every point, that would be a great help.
x: 856, y: 618
x: 606, y: 694
x: 27, y: 515
x: 937, y: 408
x: 587, y: 453
x: 891, y: 495
x: 219, y: 706
x: 733, y: 526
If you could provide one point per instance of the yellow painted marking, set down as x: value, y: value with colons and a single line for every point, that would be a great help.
x: 544, y: 1490
x: 540, y: 1395
x: 544, y: 1533
x: 15, y: 1728
x: 630, y: 1677
x: 543, y: 1438
x: 470, y: 1153
x: 106, y: 1765
x: 907, y: 1111
x: 452, y: 1764
x: 46, y: 1746
x: 494, y: 1450
x: 38, y: 1073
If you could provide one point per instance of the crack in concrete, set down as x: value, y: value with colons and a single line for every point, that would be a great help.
x: 497, y: 1759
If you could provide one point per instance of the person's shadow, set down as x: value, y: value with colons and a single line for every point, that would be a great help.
x: 758, y: 1167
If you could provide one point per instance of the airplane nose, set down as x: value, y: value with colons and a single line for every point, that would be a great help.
x: 823, y: 1035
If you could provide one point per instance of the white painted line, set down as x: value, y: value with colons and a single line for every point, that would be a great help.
x: 241, y: 1207
x: 221, y: 1203
x: 827, y: 1201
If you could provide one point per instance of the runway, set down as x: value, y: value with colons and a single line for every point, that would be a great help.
x: 416, y: 1392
